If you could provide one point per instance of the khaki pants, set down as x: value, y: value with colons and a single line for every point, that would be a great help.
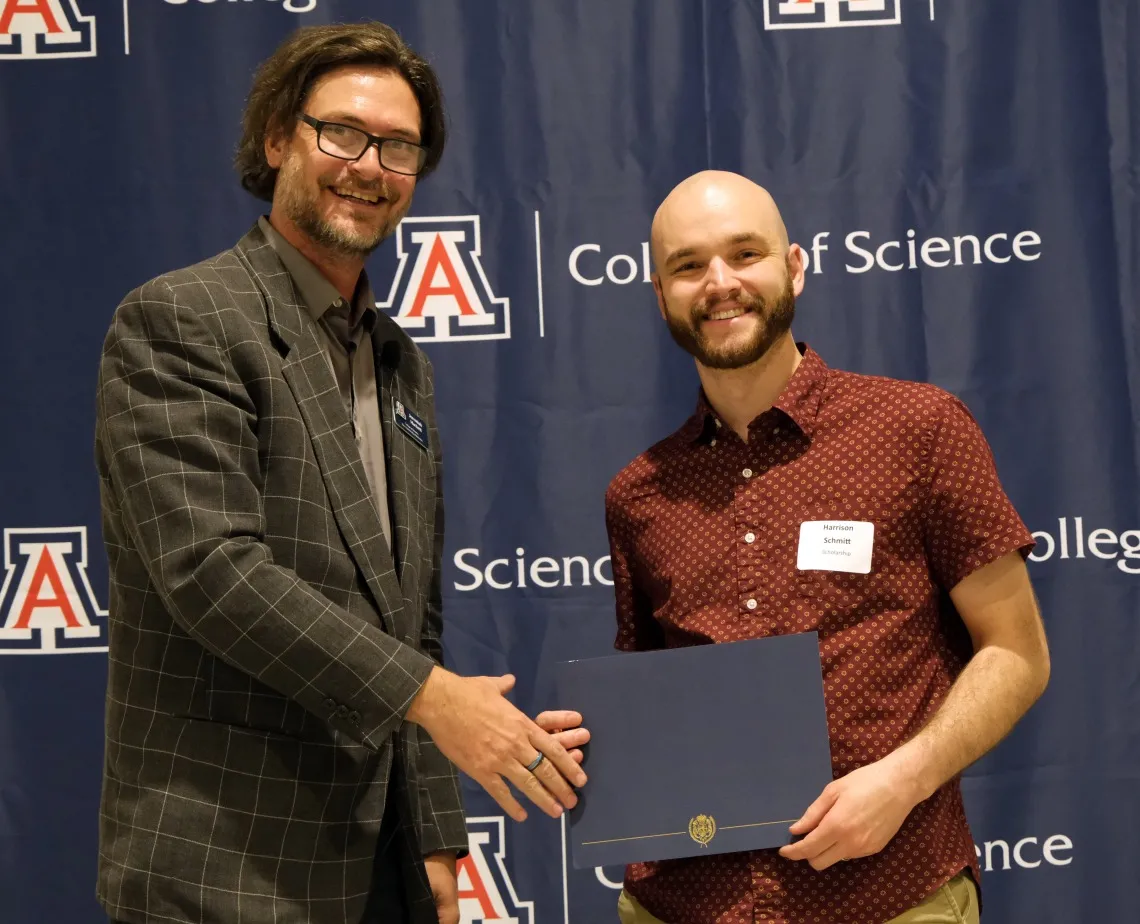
x: 954, y: 903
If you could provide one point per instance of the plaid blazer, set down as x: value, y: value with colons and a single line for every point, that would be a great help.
x: 264, y: 641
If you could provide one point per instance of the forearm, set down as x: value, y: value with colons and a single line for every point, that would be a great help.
x: 995, y: 689
x: 264, y: 620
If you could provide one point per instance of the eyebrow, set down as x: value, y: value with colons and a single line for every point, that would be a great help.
x: 347, y: 118
x: 743, y: 237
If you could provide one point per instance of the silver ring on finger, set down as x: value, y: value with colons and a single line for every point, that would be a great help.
x: 533, y: 765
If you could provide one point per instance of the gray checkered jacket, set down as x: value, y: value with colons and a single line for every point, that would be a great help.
x: 264, y: 641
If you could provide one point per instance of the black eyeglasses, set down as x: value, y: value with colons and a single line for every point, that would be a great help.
x: 350, y: 143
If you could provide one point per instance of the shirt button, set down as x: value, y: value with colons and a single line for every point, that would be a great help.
x: 750, y: 537
x: 751, y: 604
x: 713, y: 443
x: 776, y: 431
x: 747, y: 473
x: 718, y: 424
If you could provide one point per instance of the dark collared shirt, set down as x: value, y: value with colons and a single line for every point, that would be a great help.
x: 346, y: 332
x: 704, y: 532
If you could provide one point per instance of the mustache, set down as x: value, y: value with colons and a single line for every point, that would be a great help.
x: 705, y: 307
x: 374, y: 188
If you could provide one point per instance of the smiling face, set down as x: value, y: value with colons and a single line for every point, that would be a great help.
x: 346, y: 208
x: 726, y: 277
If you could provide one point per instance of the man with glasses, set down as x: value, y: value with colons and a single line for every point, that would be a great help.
x: 280, y: 729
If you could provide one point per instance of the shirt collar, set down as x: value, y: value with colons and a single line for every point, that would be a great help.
x: 799, y: 401
x: 318, y: 295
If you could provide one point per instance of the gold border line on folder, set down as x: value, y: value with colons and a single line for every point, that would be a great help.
x: 644, y: 837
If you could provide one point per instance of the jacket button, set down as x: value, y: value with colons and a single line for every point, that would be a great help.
x: 330, y: 703
x: 342, y: 710
x: 354, y: 717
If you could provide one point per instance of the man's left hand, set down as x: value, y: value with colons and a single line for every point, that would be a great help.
x: 855, y: 816
x: 444, y: 885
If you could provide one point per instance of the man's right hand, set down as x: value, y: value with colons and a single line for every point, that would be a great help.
x: 477, y: 729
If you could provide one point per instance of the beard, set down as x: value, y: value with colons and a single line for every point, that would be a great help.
x: 346, y: 239
x: 775, y: 320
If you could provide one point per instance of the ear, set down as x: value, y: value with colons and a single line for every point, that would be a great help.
x: 796, y: 268
x: 276, y: 144
x: 656, y: 279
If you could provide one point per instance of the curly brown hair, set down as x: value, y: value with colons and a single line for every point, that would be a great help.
x: 282, y: 84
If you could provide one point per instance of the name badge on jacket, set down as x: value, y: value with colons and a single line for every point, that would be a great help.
x: 836, y: 545
x: 410, y: 422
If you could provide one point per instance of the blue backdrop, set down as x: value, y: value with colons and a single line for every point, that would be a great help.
x: 963, y: 176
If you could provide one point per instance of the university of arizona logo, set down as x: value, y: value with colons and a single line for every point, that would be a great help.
x: 440, y: 291
x: 486, y: 893
x: 45, y: 29
x: 823, y: 14
x: 46, y: 602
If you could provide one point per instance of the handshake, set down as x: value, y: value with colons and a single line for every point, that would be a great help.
x: 481, y: 732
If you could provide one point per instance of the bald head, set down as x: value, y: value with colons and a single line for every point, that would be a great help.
x: 714, y: 207
x: 727, y: 279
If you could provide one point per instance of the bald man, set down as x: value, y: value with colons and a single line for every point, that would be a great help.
x: 801, y: 498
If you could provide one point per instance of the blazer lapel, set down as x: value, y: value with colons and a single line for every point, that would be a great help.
x: 410, y: 464
x: 310, y: 378
x: 397, y: 446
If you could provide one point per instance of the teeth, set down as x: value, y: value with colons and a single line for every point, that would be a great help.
x: 725, y: 315
x: 366, y: 197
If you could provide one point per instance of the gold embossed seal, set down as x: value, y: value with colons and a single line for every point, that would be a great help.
x: 702, y: 829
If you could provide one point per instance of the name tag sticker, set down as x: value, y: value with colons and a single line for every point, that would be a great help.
x: 410, y: 422
x: 836, y: 545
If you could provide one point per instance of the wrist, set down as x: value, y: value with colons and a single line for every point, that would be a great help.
x: 912, y: 772
x: 425, y: 703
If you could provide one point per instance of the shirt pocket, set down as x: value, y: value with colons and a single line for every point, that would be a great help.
x: 842, y: 594
x: 838, y: 594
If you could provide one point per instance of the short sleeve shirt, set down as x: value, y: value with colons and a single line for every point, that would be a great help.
x: 704, y: 532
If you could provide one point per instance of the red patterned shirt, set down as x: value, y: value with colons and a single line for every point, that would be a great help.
x: 703, y: 533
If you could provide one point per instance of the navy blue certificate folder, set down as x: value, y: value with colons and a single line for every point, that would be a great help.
x: 695, y: 751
